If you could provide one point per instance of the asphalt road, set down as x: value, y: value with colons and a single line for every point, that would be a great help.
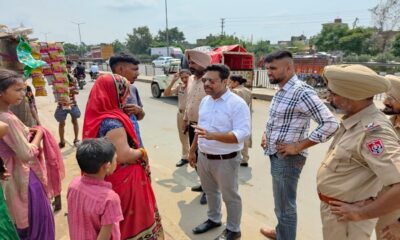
x: 180, y: 208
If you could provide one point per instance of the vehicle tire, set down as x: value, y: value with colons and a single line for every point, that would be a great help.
x: 311, y: 81
x: 155, y: 90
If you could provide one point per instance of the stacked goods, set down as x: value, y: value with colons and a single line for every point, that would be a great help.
x: 38, y: 81
x: 55, y: 71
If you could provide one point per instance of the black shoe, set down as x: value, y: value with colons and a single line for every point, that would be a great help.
x: 182, y: 162
x: 244, y: 164
x: 204, y: 227
x: 229, y: 235
x: 197, y: 189
x: 203, y: 199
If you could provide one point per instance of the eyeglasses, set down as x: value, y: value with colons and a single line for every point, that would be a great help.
x: 212, y: 81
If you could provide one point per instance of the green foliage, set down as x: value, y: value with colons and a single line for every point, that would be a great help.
x: 357, y: 58
x: 118, y: 47
x: 139, y: 41
x: 70, y: 48
x: 218, y: 40
x: 174, y: 36
x: 260, y: 48
x: 328, y: 38
x: 396, y: 46
x: 355, y: 41
x: 384, y: 57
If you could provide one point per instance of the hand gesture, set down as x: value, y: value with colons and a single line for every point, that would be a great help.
x: 132, y: 109
x: 202, y: 133
x: 287, y: 149
x: 192, y: 159
x: 392, y: 231
x: 264, y: 143
x: 346, y: 211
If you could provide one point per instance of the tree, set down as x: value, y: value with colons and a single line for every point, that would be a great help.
x: 260, y: 48
x: 118, y: 46
x: 328, y: 38
x: 386, y: 16
x: 356, y: 41
x: 174, y: 36
x: 140, y: 40
x: 218, y: 40
x: 396, y: 46
x: 70, y: 48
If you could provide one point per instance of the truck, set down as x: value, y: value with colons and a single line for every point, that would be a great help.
x: 163, y: 51
x: 234, y: 56
x: 309, y: 68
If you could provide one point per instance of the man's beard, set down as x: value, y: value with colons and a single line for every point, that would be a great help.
x: 197, y: 72
x: 275, y: 80
x: 336, y: 109
x: 390, y: 111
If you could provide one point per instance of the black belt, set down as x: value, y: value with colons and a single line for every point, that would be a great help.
x: 220, y: 157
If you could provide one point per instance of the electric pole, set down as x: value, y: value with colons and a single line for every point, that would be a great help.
x: 222, y: 26
x: 79, y: 31
x: 166, y: 27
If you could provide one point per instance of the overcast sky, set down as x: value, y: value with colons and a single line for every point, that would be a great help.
x: 107, y: 20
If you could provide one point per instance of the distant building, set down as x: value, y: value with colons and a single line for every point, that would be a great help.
x: 336, y: 21
x: 102, y: 51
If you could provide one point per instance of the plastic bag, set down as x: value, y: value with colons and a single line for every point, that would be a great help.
x: 24, y: 53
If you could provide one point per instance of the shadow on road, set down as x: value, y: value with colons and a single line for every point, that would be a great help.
x: 182, y: 178
x: 245, y: 175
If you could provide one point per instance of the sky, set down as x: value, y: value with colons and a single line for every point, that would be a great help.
x: 107, y: 20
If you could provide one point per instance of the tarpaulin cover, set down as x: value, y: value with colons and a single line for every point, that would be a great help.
x: 216, y: 54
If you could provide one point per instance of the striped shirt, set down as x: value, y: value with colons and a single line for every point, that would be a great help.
x: 92, y: 204
x: 291, y: 109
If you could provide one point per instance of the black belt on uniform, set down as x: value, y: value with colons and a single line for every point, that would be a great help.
x: 220, y: 157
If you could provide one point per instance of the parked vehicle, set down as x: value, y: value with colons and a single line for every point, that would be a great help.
x: 160, y: 82
x: 309, y: 68
x: 160, y: 61
x: 163, y: 51
x: 171, y: 61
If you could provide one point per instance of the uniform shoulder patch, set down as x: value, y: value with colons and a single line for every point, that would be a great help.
x: 375, y: 147
x: 372, y: 126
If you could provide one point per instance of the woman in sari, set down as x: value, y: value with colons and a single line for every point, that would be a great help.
x: 104, y: 117
x: 25, y: 192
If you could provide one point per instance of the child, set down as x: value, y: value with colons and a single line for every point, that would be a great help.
x: 25, y: 190
x: 7, y: 229
x: 94, y: 209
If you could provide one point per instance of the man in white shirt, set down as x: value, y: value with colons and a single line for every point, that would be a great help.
x: 223, y: 126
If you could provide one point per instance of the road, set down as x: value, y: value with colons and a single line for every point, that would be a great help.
x: 180, y: 208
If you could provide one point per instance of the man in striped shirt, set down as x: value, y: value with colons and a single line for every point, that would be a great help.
x: 286, y: 138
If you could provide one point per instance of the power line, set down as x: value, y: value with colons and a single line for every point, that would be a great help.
x: 222, y: 26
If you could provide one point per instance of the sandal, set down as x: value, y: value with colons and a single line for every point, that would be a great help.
x: 77, y: 142
x: 61, y: 144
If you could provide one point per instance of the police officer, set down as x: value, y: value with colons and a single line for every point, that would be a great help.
x: 364, y: 155
x: 237, y: 86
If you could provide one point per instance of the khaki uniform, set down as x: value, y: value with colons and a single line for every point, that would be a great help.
x: 182, y: 94
x: 245, y: 93
x: 392, y: 217
x: 363, y: 157
x: 194, y: 96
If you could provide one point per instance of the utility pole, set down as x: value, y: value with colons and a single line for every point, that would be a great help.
x: 79, y: 31
x: 222, y: 26
x: 166, y: 27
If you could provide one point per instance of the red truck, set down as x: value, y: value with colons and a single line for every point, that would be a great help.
x: 309, y: 68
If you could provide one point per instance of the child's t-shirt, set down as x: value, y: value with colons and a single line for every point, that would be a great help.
x: 92, y: 204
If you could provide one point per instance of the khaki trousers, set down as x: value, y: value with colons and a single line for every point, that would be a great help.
x: 184, y: 138
x: 334, y: 230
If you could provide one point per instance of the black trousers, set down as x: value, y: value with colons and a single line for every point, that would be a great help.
x: 192, y: 134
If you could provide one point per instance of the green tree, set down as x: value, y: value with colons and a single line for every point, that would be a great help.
x: 218, y: 40
x: 328, y: 38
x: 260, y: 48
x: 174, y: 36
x: 118, y: 46
x: 356, y: 41
x: 396, y: 46
x: 140, y: 40
x: 70, y: 48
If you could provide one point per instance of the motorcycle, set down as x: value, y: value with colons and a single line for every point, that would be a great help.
x: 81, y: 81
x: 94, y: 76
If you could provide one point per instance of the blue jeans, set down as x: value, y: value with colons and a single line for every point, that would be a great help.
x: 285, y: 173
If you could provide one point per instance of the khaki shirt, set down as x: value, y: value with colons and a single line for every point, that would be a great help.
x: 181, y: 92
x: 395, y: 120
x: 244, y: 93
x: 194, y: 95
x: 363, y: 157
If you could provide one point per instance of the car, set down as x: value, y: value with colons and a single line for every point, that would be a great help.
x: 160, y: 61
x: 170, y: 62
x: 160, y: 82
